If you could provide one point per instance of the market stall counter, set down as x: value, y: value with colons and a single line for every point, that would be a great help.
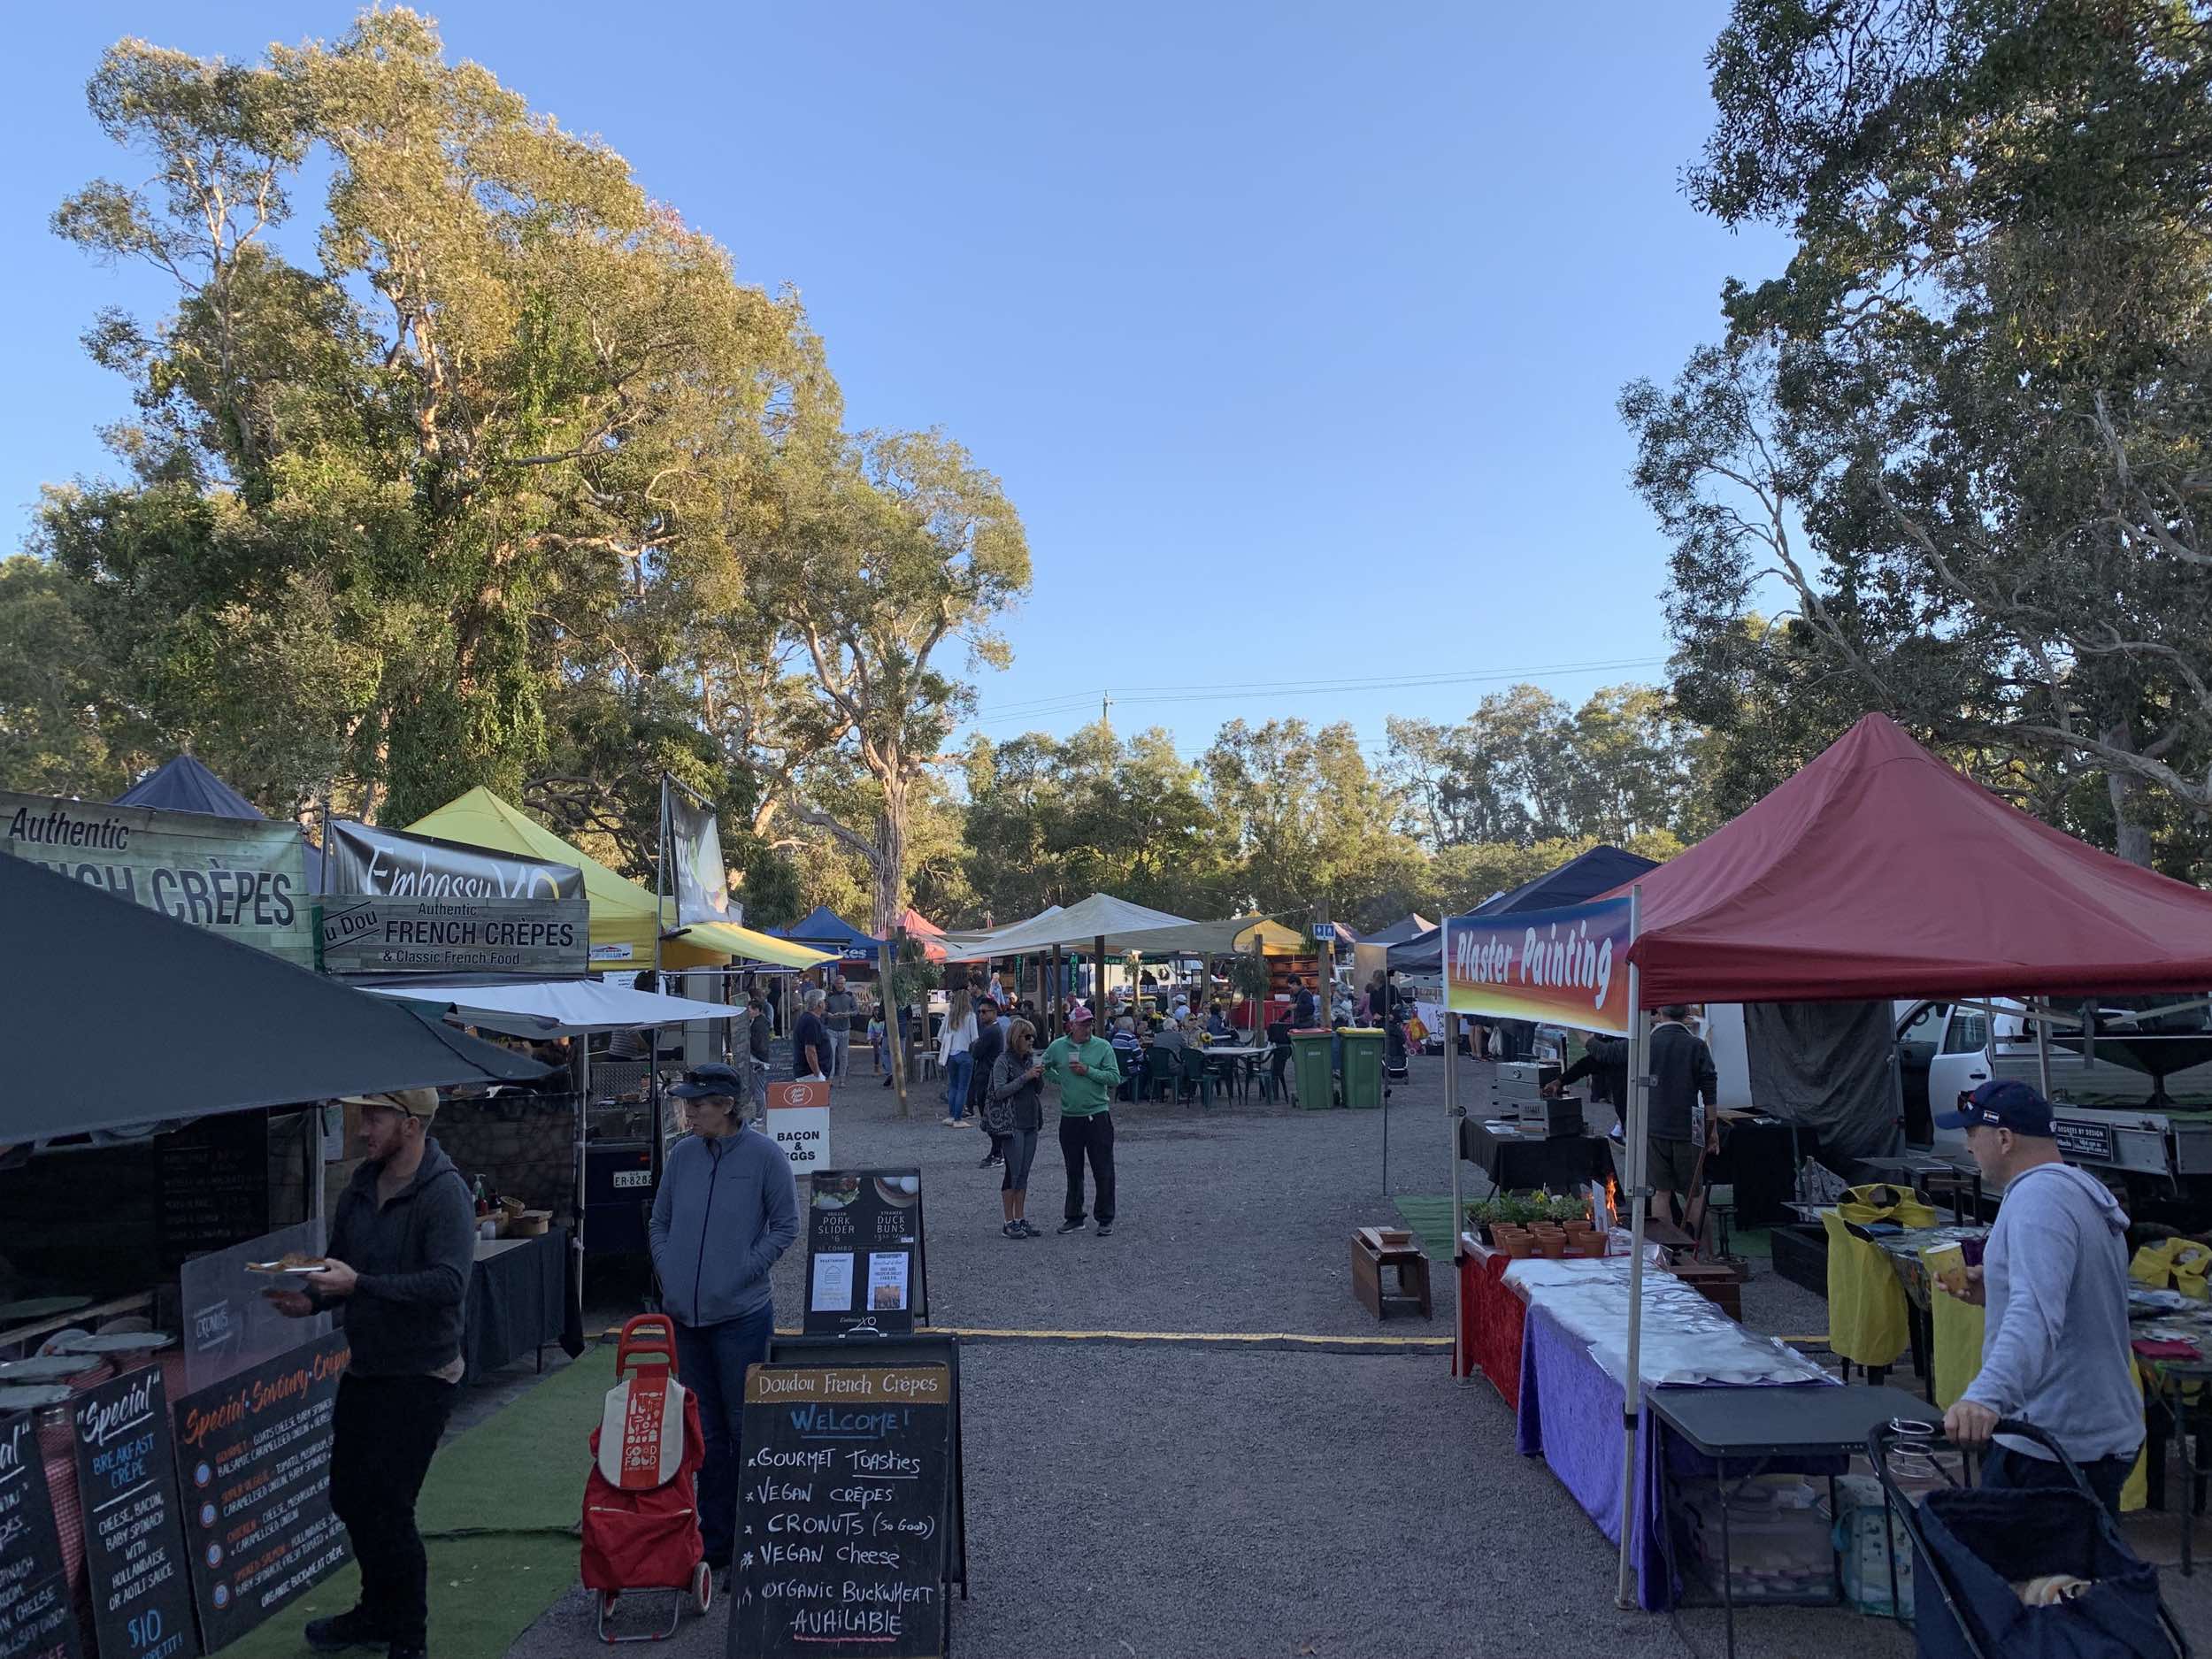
x: 517, y: 1301
x: 1522, y: 1162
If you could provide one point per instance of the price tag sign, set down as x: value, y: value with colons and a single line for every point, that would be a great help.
x: 798, y: 1121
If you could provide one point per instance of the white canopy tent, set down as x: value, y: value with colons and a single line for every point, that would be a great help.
x: 962, y: 946
x: 552, y: 1008
x: 1079, y: 926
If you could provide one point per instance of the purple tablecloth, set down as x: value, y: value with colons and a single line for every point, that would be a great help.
x: 1570, y: 1411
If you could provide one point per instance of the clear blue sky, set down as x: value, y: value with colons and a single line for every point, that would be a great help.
x: 1298, y: 327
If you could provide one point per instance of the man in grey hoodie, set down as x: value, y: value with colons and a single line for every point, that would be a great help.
x: 401, y: 1246
x: 2054, y: 1279
x: 726, y: 1210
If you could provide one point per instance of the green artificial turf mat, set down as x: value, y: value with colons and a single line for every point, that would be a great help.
x: 497, y: 1513
x: 1429, y: 1216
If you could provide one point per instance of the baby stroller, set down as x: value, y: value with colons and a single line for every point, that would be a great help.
x: 1973, y: 1544
x: 641, y: 1506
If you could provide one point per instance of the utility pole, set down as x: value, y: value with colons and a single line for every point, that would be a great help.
x: 1105, y: 710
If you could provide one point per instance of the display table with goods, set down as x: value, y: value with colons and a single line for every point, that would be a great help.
x: 1570, y: 1398
x: 1522, y: 1158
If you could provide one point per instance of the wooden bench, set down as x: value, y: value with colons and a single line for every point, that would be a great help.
x: 1375, y: 1249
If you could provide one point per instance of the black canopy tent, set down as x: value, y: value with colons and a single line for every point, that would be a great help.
x: 181, y: 784
x: 112, y: 1014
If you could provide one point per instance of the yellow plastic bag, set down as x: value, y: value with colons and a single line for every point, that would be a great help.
x: 2179, y: 1264
x: 1866, y: 1205
x: 1867, y: 1321
x: 1417, y: 1031
x: 1958, y: 1325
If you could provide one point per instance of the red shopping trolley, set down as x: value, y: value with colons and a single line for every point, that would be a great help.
x: 641, y: 1500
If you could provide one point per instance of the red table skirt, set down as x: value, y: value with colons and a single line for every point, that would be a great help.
x: 1490, y: 1321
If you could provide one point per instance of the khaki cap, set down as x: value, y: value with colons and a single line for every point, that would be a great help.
x: 416, y: 1102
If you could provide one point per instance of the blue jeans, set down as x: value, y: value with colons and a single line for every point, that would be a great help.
x: 710, y: 1360
x: 956, y: 1082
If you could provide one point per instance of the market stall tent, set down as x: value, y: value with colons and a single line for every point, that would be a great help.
x: 1410, y: 926
x: 625, y: 917
x: 1880, y: 872
x: 825, y: 930
x: 181, y: 784
x: 543, y: 1007
x: 1078, y: 928
x: 213, y: 1026
x: 1581, y: 878
x: 923, y: 932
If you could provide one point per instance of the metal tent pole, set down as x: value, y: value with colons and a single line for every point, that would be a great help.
x: 1454, y: 1113
x: 1638, y: 1131
x: 2039, y: 1012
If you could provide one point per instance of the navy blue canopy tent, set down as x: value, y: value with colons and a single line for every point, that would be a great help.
x: 1581, y: 878
x: 1403, y: 931
x: 183, y: 784
x: 825, y: 930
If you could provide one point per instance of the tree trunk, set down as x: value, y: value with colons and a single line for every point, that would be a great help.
x: 890, y: 873
x: 2131, y: 836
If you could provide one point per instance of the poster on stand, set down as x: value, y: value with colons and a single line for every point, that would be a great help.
x: 133, y: 1536
x: 864, y: 1252
x: 1565, y: 967
x: 253, y: 1464
x: 798, y: 1121
x: 37, y: 1619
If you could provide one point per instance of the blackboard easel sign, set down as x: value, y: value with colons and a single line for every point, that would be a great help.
x: 37, y: 1619
x: 253, y: 1462
x: 867, y: 1267
x: 133, y: 1536
x: 845, y: 1511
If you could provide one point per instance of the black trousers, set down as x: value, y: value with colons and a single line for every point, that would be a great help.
x: 384, y: 1432
x: 1091, y: 1137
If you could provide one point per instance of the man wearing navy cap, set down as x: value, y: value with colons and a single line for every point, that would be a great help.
x: 2055, y: 1278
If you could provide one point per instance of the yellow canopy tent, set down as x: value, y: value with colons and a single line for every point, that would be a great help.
x: 624, y: 916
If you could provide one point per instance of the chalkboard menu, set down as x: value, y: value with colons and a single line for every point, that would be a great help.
x: 36, y: 1621
x: 253, y: 1462
x: 844, y: 1512
x: 126, y: 1483
x: 866, y: 1267
x: 211, y: 1185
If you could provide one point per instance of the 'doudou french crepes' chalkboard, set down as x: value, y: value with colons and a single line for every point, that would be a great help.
x: 844, y: 1512
x: 133, y: 1539
x: 36, y: 1620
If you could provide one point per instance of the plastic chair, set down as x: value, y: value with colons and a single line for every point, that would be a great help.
x: 1196, y: 1078
x: 1160, y: 1072
x: 1277, y: 1084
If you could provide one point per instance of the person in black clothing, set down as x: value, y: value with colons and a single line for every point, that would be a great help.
x: 809, y: 1040
x: 1305, y: 1010
x: 1682, y: 1073
x: 983, y: 1053
x: 757, y: 1037
x: 1605, y: 1063
x: 402, y: 1247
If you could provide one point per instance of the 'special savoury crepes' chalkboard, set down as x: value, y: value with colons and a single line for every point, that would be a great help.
x: 133, y: 1537
x: 844, y: 1515
x: 36, y: 1620
x: 253, y: 1462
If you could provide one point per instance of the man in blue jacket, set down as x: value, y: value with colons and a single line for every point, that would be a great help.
x: 727, y: 1209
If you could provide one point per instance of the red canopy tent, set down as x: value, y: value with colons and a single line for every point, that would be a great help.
x: 925, y: 932
x: 1880, y: 872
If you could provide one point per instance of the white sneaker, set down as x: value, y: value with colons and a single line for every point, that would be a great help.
x: 951, y: 1122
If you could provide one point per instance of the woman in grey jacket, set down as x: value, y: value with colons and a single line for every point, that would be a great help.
x: 1014, y: 1091
x: 727, y: 1209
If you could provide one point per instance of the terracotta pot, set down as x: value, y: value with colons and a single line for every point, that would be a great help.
x: 1584, y: 1226
x: 1518, y: 1245
x: 1552, y: 1248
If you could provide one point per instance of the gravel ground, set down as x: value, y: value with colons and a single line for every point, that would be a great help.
x: 1160, y: 1499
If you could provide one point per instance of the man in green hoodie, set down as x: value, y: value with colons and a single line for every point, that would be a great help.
x: 1082, y: 1063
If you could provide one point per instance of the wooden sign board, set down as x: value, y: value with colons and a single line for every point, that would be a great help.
x: 866, y: 1271
x: 37, y: 1619
x: 133, y: 1536
x: 253, y: 1462
x: 845, y: 1517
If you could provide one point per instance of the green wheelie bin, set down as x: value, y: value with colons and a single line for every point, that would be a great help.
x: 1310, y: 1056
x: 1363, y: 1067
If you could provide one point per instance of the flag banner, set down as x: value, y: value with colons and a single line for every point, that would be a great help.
x: 1566, y: 967
x: 694, y: 857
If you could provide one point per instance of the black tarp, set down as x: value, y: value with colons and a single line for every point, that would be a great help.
x: 113, y: 1014
x: 1599, y: 870
x: 1832, y: 1067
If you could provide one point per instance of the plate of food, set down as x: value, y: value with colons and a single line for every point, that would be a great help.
x: 291, y: 1262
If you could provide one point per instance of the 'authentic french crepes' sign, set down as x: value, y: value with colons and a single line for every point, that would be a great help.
x: 244, y: 878
x: 374, y: 933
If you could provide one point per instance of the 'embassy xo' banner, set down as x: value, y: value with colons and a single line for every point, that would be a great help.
x: 1567, y: 967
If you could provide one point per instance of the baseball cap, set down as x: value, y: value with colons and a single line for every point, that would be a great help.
x: 416, y: 1102
x: 1079, y: 1015
x: 711, y: 1079
x: 2002, y: 1103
